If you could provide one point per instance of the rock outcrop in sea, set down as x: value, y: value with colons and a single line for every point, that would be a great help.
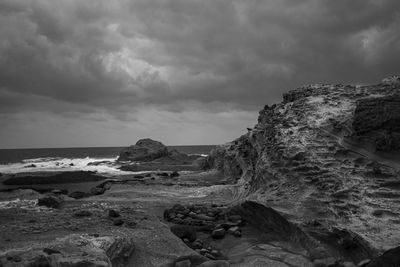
x: 144, y: 150
x: 148, y: 154
x: 327, y: 156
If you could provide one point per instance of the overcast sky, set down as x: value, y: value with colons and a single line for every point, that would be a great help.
x: 106, y: 73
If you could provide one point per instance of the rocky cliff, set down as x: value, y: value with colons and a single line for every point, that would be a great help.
x: 327, y: 154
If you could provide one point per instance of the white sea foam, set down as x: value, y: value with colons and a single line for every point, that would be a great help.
x: 100, y: 165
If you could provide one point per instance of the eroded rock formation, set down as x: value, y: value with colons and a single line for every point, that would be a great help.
x: 313, y: 157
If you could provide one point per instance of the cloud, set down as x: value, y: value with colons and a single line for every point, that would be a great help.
x: 122, y: 57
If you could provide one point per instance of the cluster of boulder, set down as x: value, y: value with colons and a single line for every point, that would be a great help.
x: 215, y: 220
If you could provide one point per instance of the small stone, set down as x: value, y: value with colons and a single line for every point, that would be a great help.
x: 131, y: 224
x: 97, y: 190
x: 208, y: 255
x: 50, y: 201
x: 348, y: 264
x: 178, y: 207
x: 17, y: 258
x: 233, y: 229
x: 324, y: 262
x: 185, y: 211
x: 363, y: 263
x: 113, y: 213
x: 377, y: 213
x: 78, y: 194
x: 118, y: 222
x: 184, y: 231
x: 215, y: 263
x: 185, y: 263
x: 82, y: 213
x: 203, y: 217
x: 197, y: 244
x: 218, y: 233
x: 50, y: 251
x: 215, y: 253
x: 59, y: 192
x: 237, y: 234
x: 204, y: 251
x: 235, y: 218
x: 174, y: 174
x: 228, y: 225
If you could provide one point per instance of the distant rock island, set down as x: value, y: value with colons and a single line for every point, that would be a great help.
x: 144, y: 150
x: 151, y: 155
x: 316, y: 182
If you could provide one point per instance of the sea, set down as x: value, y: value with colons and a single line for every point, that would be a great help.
x: 99, y: 159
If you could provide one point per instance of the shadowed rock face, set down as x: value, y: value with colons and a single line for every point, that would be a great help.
x: 144, y: 150
x: 307, y: 157
x: 390, y: 258
x: 379, y: 119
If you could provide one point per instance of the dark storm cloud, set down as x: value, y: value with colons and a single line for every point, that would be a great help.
x: 122, y: 57
x: 242, y: 52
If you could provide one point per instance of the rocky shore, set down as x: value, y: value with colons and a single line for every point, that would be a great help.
x: 314, y: 183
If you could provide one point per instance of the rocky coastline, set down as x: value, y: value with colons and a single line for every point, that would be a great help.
x: 314, y: 183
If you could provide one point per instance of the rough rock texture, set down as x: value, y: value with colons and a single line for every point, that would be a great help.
x: 306, y: 158
x: 379, y: 119
x: 74, y: 250
x: 390, y: 258
x: 144, y: 150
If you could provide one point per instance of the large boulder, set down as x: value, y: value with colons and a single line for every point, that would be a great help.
x: 144, y: 150
x: 50, y: 201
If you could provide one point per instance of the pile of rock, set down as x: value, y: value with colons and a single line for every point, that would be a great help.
x: 215, y: 220
x: 211, y: 218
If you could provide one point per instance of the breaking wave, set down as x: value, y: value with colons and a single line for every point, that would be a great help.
x: 100, y: 165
